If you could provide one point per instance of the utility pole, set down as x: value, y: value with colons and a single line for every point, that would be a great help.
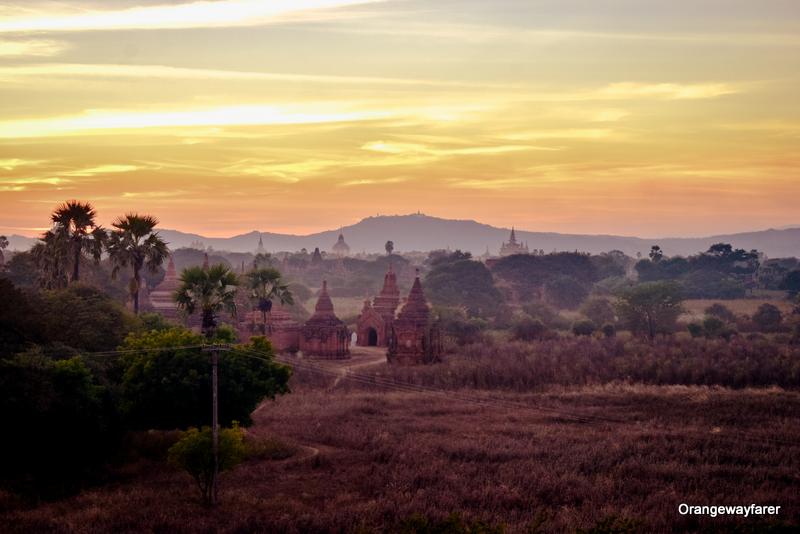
x: 215, y: 350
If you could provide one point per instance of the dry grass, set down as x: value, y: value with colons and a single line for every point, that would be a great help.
x: 377, y: 458
x: 695, y: 309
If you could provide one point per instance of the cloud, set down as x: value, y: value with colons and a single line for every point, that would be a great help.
x: 103, y: 121
x: 12, y: 163
x: 31, y: 47
x: 416, y: 148
x: 671, y: 91
x: 199, y: 14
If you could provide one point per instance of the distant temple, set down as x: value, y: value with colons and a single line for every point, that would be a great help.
x: 512, y: 246
x: 324, y: 335
x: 340, y: 248
x: 162, y: 297
x: 316, y: 257
x: 375, y: 322
x: 260, y: 248
x: 414, y: 337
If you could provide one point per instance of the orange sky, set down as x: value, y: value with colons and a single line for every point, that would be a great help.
x: 629, y: 117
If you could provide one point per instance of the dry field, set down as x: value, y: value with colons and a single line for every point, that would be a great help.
x: 556, y: 461
x: 695, y: 309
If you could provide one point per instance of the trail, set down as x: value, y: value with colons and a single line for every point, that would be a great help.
x: 359, y: 357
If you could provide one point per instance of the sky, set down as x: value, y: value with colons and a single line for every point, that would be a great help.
x: 629, y: 117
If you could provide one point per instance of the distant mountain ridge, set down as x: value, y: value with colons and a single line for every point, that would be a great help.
x: 423, y: 232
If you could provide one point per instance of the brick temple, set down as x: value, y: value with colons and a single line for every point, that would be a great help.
x: 375, y: 321
x: 324, y: 335
x: 413, y: 336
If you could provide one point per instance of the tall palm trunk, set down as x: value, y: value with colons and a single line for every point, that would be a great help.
x: 76, y: 275
x: 209, y: 323
x: 137, y: 283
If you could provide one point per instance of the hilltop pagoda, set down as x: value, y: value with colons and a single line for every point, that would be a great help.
x: 162, y: 297
x: 340, y: 248
x: 324, y: 335
x: 513, y: 246
x: 414, y: 337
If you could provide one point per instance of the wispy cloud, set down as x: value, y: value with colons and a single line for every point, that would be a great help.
x: 201, y: 14
x: 104, y: 121
x: 31, y: 47
x: 10, y: 164
x: 672, y: 91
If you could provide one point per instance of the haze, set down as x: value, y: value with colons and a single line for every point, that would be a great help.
x: 584, y: 116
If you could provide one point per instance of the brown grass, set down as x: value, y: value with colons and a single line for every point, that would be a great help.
x: 377, y: 458
x: 695, y: 309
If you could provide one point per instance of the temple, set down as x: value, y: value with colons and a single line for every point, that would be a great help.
x: 260, y: 248
x: 162, y: 297
x: 324, y: 335
x: 375, y: 322
x: 414, y: 338
x: 340, y: 248
x: 512, y: 246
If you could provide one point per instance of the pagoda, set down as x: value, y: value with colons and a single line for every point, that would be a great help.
x: 162, y: 297
x: 340, y: 248
x: 375, y: 321
x: 513, y: 246
x: 414, y: 337
x: 324, y: 335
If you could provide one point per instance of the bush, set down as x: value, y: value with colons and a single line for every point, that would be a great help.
x: 713, y: 326
x: 538, y: 309
x: 695, y: 329
x: 768, y: 318
x: 194, y: 454
x: 599, y: 310
x: 529, y: 329
x: 584, y: 327
x: 565, y: 292
x: 721, y: 311
x: 609, y: 330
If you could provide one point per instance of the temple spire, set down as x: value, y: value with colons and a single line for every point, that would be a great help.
x: 205, y: 261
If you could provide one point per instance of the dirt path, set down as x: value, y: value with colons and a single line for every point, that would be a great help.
x: 359, y: 357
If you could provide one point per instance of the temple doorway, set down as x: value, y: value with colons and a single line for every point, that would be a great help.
x: 372, y: 337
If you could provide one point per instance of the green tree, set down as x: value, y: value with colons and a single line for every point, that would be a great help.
x: 565, y: 292
x: 171, y: 388
x: 529, y: 329
x: 208, y: 291
x: 389, y: 247
x: 194, y: 454
x: 3, y: 245
x: 75, y: 222
x: 651, y: 308
x: 135, y: 243
x: 458, y: 281
x: 265, y: 285
x: 656, y: 254
x: 791, y: 282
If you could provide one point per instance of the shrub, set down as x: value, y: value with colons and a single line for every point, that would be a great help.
x: 538, y: 309
x: 768, y: 318
x: 194, y: 454
x: 695, y: 329
x: 529, y: 329
x: 713, y: 326
x: 609, y: 330
x: 721, y: 311
x: 565, y: 292
x: 651, y: 308
x: 598, y: 310
x: 584, y: 327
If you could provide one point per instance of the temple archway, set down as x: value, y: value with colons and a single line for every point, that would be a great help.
x: 372, y: 337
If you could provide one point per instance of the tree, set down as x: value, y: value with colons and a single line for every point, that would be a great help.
x: 651, y: 308
x: 208, y: 291
x: 721, y: 311
x: 768, y: 317
x: 265, y: 285
x: 389, y: 247
x: 565, y: 292
x: 3, y: 245
x: 75, y: 222
x: 194, y: 454
x: 656, y: 254
x: 171, y: 388
x: 584, y: 327
x: 791, y: 282
x: 599, y: 310
x: 529, y: 329
x: 51, y: 256
x: 458, y: 281
x: 134, y: 243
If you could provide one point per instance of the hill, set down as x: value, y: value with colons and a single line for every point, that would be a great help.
x: 423, y: 232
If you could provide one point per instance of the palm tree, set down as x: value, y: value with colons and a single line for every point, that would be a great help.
x: 75, y: 221
x: 134, y: 242
x: 3, y: 245
x: 51, y: 256
x: 208, y: 291
x: 266, y: 284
